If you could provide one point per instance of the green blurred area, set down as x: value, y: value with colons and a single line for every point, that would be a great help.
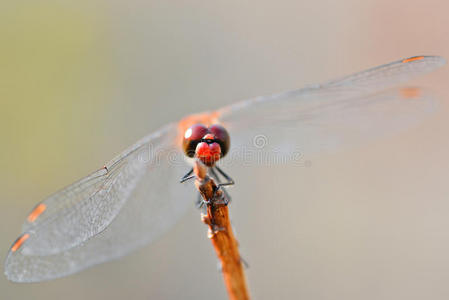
x: 54, y: 67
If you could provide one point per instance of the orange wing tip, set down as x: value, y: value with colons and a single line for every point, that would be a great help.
x: 37, y: 211
x: 19, y: 242
x: 414, y: 58
x: 410, y: 92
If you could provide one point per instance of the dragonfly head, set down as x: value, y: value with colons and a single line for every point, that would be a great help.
x: 208, y: 144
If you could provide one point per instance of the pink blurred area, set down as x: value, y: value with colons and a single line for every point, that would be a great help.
x: 82, y: 81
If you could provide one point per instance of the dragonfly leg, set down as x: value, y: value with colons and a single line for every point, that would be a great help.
x: 244, y: 263
x: 187, y: 176
x: 215, y: 176
x: 226, y: 176
x: 199, y: 201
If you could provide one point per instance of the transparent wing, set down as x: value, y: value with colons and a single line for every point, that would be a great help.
x: 127, y: 204
x: 82, y: 223
x: 331, y: 115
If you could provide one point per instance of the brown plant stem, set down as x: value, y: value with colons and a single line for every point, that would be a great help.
x: 221, y: 235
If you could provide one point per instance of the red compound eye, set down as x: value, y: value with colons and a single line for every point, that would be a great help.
x: 221, y: 137
x: 192, y: 137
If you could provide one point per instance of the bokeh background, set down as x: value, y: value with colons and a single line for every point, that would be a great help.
x: 80, y: 81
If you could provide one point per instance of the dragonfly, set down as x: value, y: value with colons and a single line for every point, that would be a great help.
x: 136, y: 197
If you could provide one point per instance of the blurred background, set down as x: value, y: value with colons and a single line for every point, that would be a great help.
x: 80, y: 81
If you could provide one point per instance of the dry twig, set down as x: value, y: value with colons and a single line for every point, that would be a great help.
x: 220, y: 233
